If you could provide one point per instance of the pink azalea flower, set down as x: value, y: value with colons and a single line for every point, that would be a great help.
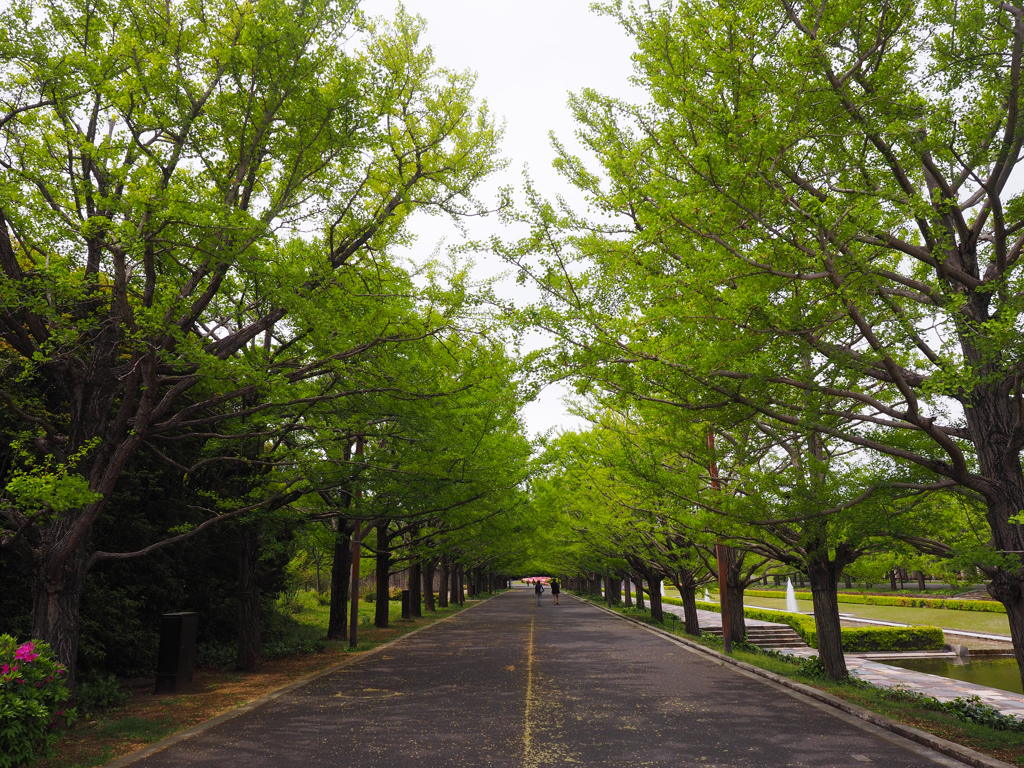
x: 26, y: 652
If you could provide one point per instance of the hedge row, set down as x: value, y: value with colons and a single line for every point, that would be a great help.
x: 953, y: 604
x: 855, y: 639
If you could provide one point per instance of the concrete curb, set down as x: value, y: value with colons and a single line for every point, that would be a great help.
x: 169, y: 741
x: 948, y: 748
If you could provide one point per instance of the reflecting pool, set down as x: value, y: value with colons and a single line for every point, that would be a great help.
x: 995, y: 673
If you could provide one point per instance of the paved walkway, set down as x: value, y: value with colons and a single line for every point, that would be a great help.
x: 879, y: 673
x: 508, y: 684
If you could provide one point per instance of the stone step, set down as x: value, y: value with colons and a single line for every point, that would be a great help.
x: 750, y: 635
x: 782, y: 644
x: 766, y: 631
x: 767, y: 637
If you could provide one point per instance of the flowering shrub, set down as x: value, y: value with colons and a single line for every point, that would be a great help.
x: 33, y: 686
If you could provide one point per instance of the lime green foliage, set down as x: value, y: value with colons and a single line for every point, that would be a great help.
x: 986, y: 606
x: 32, y: 693
x: 198, y: 224
x: 855, y: 639
x: 799, y: 222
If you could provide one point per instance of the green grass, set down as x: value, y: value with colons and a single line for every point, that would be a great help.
x: 303, y: 621
x: 883, y: 589
x: 919, y: 712
x: 311, y: 618
x: 101, y: 758
x: 971, y: 621
x: 134, y: 728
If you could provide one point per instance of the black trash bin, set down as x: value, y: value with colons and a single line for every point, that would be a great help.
x: 406, y: 604
x: 177, y: 651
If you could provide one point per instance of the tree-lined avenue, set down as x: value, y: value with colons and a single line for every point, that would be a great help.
x: 508, y: 684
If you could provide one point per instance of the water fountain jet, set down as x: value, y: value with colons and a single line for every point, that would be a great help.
x: 791, y: 605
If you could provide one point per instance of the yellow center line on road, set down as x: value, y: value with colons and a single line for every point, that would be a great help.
x: 528, y: 758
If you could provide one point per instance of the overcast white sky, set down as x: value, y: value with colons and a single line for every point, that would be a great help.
x: 528, y: 56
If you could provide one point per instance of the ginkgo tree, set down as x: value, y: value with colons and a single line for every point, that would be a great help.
x: 179, y: 184
x: 815, y: 182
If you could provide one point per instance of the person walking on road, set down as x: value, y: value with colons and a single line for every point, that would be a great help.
x: 538, y: 590
x: 556, y: 588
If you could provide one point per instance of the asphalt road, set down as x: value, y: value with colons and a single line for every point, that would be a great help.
x: 510, y: 685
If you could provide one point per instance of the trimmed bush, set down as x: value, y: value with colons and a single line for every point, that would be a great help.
x: 952, y: 604
x: 855, y: 639
x: 394, y: 593
x: 892, y: 639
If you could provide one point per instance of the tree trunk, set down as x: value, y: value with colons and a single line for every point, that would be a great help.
x: 416, y: 589
x: 453, y: 596
x: 627, y: 592
x: 1007, y: 588
x: 442, y: 592
x: 341, y: 572
x: 428, y: 585
x: 892, y: 580
x: 382, y: 572
x: 654, y: 582
x: 990, y: 422
x: 613, y: 590
x: 353, y: 619
x: 639, y: 584
x: 688, y: 591
x: 56, y: 610
x: 824, y: 582
x: 921, y: 586
x: 735, y: 587
x: 248, y: 642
